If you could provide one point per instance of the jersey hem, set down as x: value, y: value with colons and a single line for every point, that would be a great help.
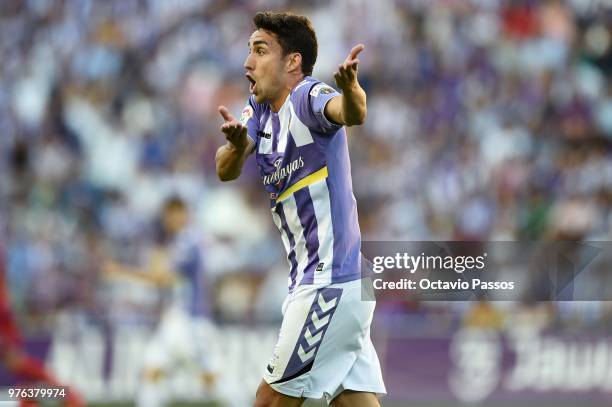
x: 378, y: 390
x: 287, y: 391
x: 297, y: 392
x: 326, y: 281
x: 254, y: 144
x: 331, y: 126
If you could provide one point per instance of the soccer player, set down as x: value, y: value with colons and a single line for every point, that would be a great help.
x: 294, y: 125
x: 15, y: 358
x: 183, y: 337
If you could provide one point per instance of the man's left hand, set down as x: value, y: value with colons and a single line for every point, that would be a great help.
x: 346, y: 76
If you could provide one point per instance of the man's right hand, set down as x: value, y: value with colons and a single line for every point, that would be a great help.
x: 230, y: 157
x: 235, y: 132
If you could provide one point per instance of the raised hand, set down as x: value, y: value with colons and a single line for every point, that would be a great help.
x: 234, y: 131
x: 346, y: 76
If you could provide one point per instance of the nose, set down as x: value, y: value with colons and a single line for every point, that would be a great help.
x: 248, y: 62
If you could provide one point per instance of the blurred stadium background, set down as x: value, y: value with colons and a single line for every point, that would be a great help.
x: 488, y: 120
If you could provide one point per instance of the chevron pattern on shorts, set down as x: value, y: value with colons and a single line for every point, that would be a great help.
x: 317, y: 321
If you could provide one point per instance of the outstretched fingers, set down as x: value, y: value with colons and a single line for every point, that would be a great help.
x: 355, y: 51
x: 347, y: 71
x: 225, y: 113
x: 343, y: 73
x: 231, y: 129
x: 234, y: 131
x: 231, y: 124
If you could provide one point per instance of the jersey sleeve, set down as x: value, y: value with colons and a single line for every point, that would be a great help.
x: 311, y: 101
x: 250, y: 118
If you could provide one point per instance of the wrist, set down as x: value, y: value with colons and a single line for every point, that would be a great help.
x: 238, y: 148
x: 351, y: 89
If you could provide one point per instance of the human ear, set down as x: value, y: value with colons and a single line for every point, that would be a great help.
x: 294, y: 61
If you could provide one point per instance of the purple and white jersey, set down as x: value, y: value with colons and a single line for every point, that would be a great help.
x: 304, y: 165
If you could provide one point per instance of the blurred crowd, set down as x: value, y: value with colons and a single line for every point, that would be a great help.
x: 487, y: 120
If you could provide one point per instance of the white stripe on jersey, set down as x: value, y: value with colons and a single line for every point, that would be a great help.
x: 295, y: 226
x: 265, y: 144
x: 304, y: 82
x: 285, y: 239
x: 325, y: 233
x: 284, y: 117
x: 299, y: 131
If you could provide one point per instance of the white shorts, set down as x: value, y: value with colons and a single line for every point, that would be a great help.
x: 324, y: 344
x: 180, y: 339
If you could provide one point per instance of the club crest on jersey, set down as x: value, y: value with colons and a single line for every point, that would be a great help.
x: 247, y: 113
x: 322, y: 89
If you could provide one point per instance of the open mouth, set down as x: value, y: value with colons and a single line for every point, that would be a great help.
x: 252, y: 85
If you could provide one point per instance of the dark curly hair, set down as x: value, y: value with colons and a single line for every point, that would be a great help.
x: 294, y: 34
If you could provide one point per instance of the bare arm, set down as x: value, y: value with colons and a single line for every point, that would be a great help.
x: 157, y: 276
x: 349, y: 108
x: 231, y: 156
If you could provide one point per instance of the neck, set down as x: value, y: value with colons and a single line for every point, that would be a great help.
x: 277, y: 103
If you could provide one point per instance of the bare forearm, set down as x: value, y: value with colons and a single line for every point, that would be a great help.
x: 229, y: 161
x: 354, y: 110
x: 159, y: 277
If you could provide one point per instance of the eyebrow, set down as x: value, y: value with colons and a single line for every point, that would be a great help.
x: 258, y: 42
